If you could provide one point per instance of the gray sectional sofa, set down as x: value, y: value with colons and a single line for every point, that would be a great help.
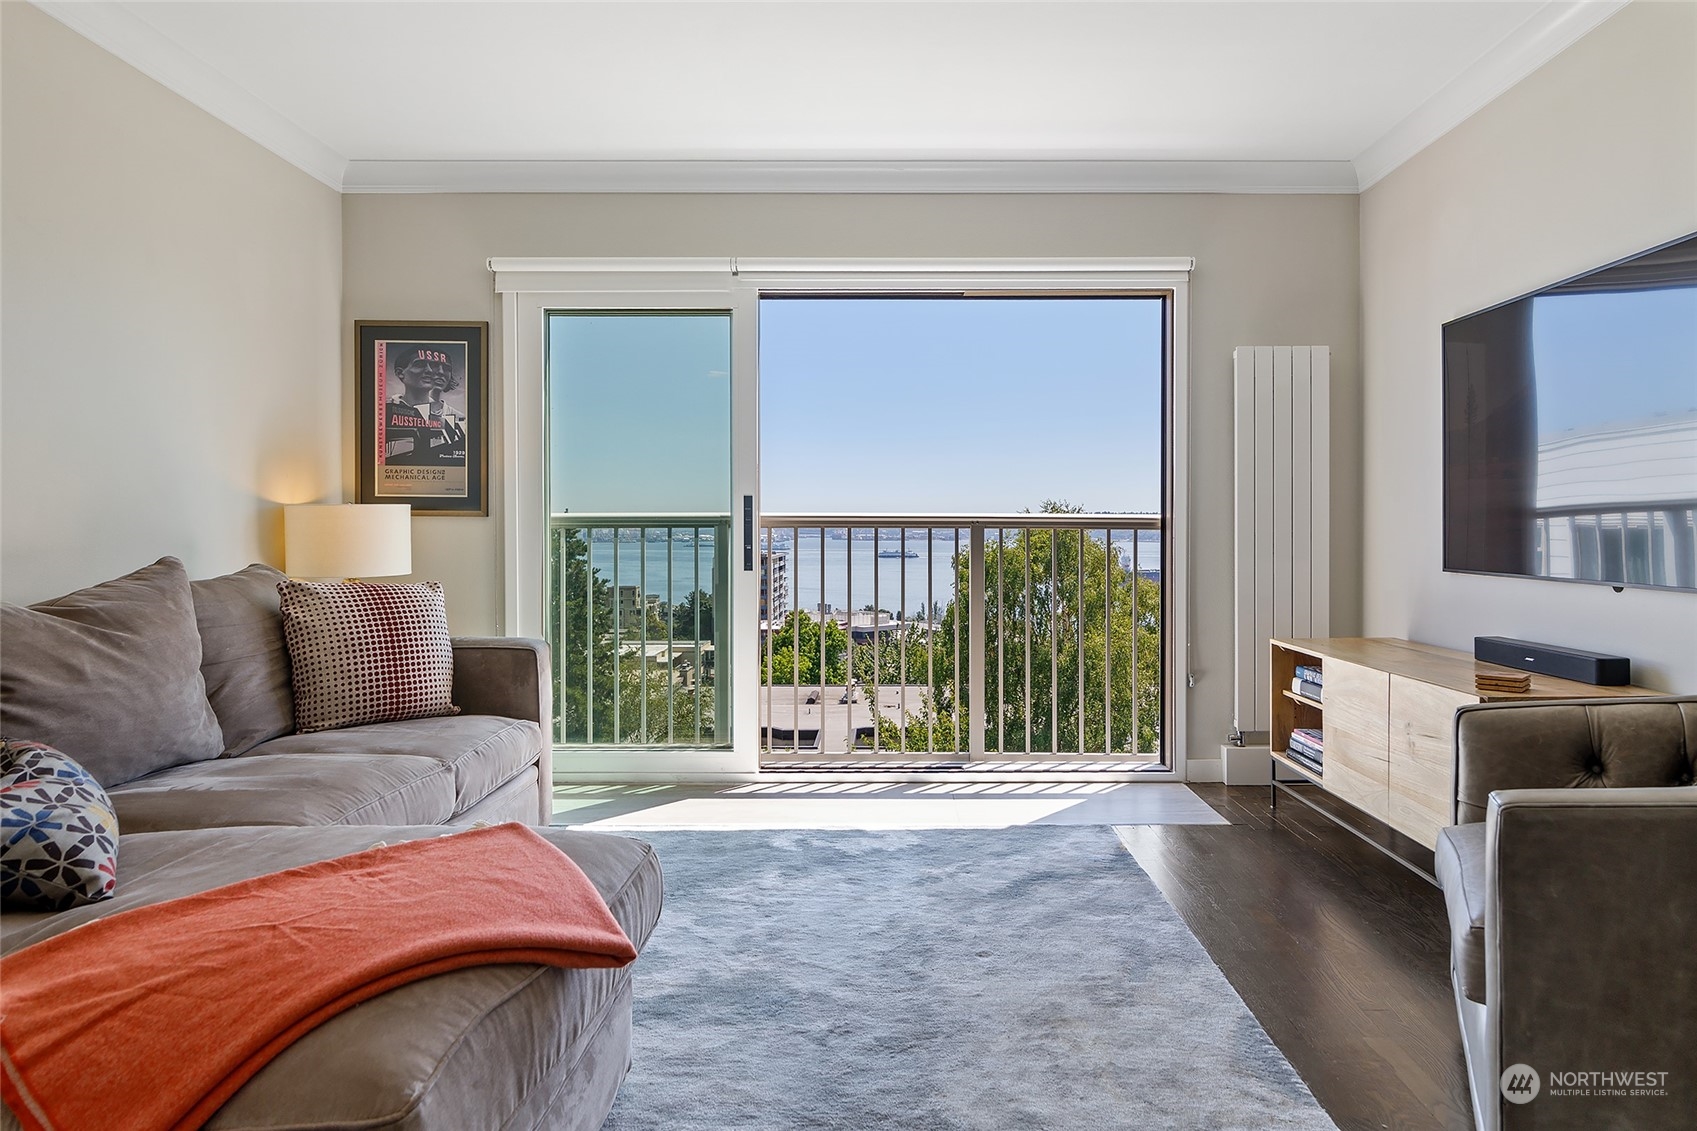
x: 484, y: 1047
x: 488, y: 763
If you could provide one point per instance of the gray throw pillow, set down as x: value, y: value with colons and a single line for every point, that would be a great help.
x: 111, y: 672
x: 243, y: 657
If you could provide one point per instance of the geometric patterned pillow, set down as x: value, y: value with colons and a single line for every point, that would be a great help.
x: 58, y: 834
x: 363, y: 653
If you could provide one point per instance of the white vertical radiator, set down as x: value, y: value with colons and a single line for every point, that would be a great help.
x: 1282, y: 506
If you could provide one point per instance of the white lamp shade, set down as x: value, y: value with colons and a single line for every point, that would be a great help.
x: 347, y: 540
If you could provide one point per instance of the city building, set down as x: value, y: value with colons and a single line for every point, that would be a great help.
x: 632, y: 602
x: 774, y: 586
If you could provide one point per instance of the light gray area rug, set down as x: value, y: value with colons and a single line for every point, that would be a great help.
x: 944, y: 979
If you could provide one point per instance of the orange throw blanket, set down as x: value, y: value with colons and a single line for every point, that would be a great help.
x: 215, y: 985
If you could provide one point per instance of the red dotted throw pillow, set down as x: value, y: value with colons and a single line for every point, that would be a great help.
x: 364, y: 653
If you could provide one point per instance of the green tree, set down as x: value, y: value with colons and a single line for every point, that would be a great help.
x: 1058, y: 635
x: 649, y: 697
x: 605, y: 692
x: 579, y: 601
x: 895, y: 656
x: 794, y: 652
x: 683, y: 616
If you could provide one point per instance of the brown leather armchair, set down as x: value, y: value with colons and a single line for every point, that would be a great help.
x: 1571, y: 883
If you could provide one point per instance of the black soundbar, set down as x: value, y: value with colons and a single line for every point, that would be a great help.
x: 1552, y: 659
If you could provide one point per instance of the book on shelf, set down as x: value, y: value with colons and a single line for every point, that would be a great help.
x: 1309, y: 736
x: 1306, y: 760
x: 1309, y: 672
x: 1308, y: 689
x: 1308, y: 752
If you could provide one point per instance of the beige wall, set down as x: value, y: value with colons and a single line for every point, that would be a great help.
x: 170, y: 368
x: 1591, y: 158
x: 1269, y: 270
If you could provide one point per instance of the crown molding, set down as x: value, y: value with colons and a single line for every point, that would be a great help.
x: 116, y: 28
x: 119, y: 29
x: 122, y: 30
x: 869, y: 176
x: 1547, y: 33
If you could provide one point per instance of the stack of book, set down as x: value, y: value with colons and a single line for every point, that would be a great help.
x: 1502, y: 681
x: 1307, y: 682
x: 1307, y: 748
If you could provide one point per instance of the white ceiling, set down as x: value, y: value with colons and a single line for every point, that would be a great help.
x: 1260, y: 96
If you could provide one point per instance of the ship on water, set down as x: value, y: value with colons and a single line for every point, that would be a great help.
x: 898, y: 554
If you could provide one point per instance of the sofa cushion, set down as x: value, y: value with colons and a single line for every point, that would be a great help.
x: 243, y: 657
x: 364, y: 653
x: 111, y: 674
x: 482, y: 751
x: 516, y: 799
x: 287, y: 789
x: 58, y: 836
x: 162, y: 865
x: 1460, y: 866
x: 493, y: 1046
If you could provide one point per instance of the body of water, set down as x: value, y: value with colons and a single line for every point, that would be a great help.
x: 652, y: 573
x: 805, y: 556
x: 839, y: 558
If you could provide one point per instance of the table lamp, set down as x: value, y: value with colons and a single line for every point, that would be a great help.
x: 347, y: 540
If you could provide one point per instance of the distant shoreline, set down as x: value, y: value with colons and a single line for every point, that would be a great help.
x: 803, y: 565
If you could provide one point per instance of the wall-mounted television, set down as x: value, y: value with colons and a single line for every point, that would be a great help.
x: 1570, y: 428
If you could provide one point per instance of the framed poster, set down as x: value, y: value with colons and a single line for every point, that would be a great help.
x: 424, y: 415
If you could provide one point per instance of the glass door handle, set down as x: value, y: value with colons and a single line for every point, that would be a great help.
x: 748, y: 533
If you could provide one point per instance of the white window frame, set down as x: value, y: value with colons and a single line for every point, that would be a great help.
x: 531, y: 287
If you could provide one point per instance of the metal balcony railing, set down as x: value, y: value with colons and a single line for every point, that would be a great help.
x: 884, y: 637
x: 1651, y: 544
x: 631, y: 602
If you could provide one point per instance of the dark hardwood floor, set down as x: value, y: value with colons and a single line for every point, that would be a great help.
x: 1340, y: 952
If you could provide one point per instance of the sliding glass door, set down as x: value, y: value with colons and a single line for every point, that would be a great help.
x: 631, y: 532
x: 639, y: 606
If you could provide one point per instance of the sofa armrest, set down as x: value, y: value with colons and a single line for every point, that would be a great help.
x: 504, y: 675
x: 513, y: 677
x: 1590, y: 913
x: 1564, y: 744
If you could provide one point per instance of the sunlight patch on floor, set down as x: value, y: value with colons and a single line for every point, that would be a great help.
x: 879, y: 805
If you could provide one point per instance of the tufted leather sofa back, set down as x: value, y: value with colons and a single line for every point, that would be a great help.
x: 1577, y: 744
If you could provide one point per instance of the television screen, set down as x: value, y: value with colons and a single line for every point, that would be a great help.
x: 1570, y: 429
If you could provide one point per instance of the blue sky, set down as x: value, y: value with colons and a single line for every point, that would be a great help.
x: 639, y: 410
x: 877, y: 404
x: 1614, y: 357
x: 945, y: 405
